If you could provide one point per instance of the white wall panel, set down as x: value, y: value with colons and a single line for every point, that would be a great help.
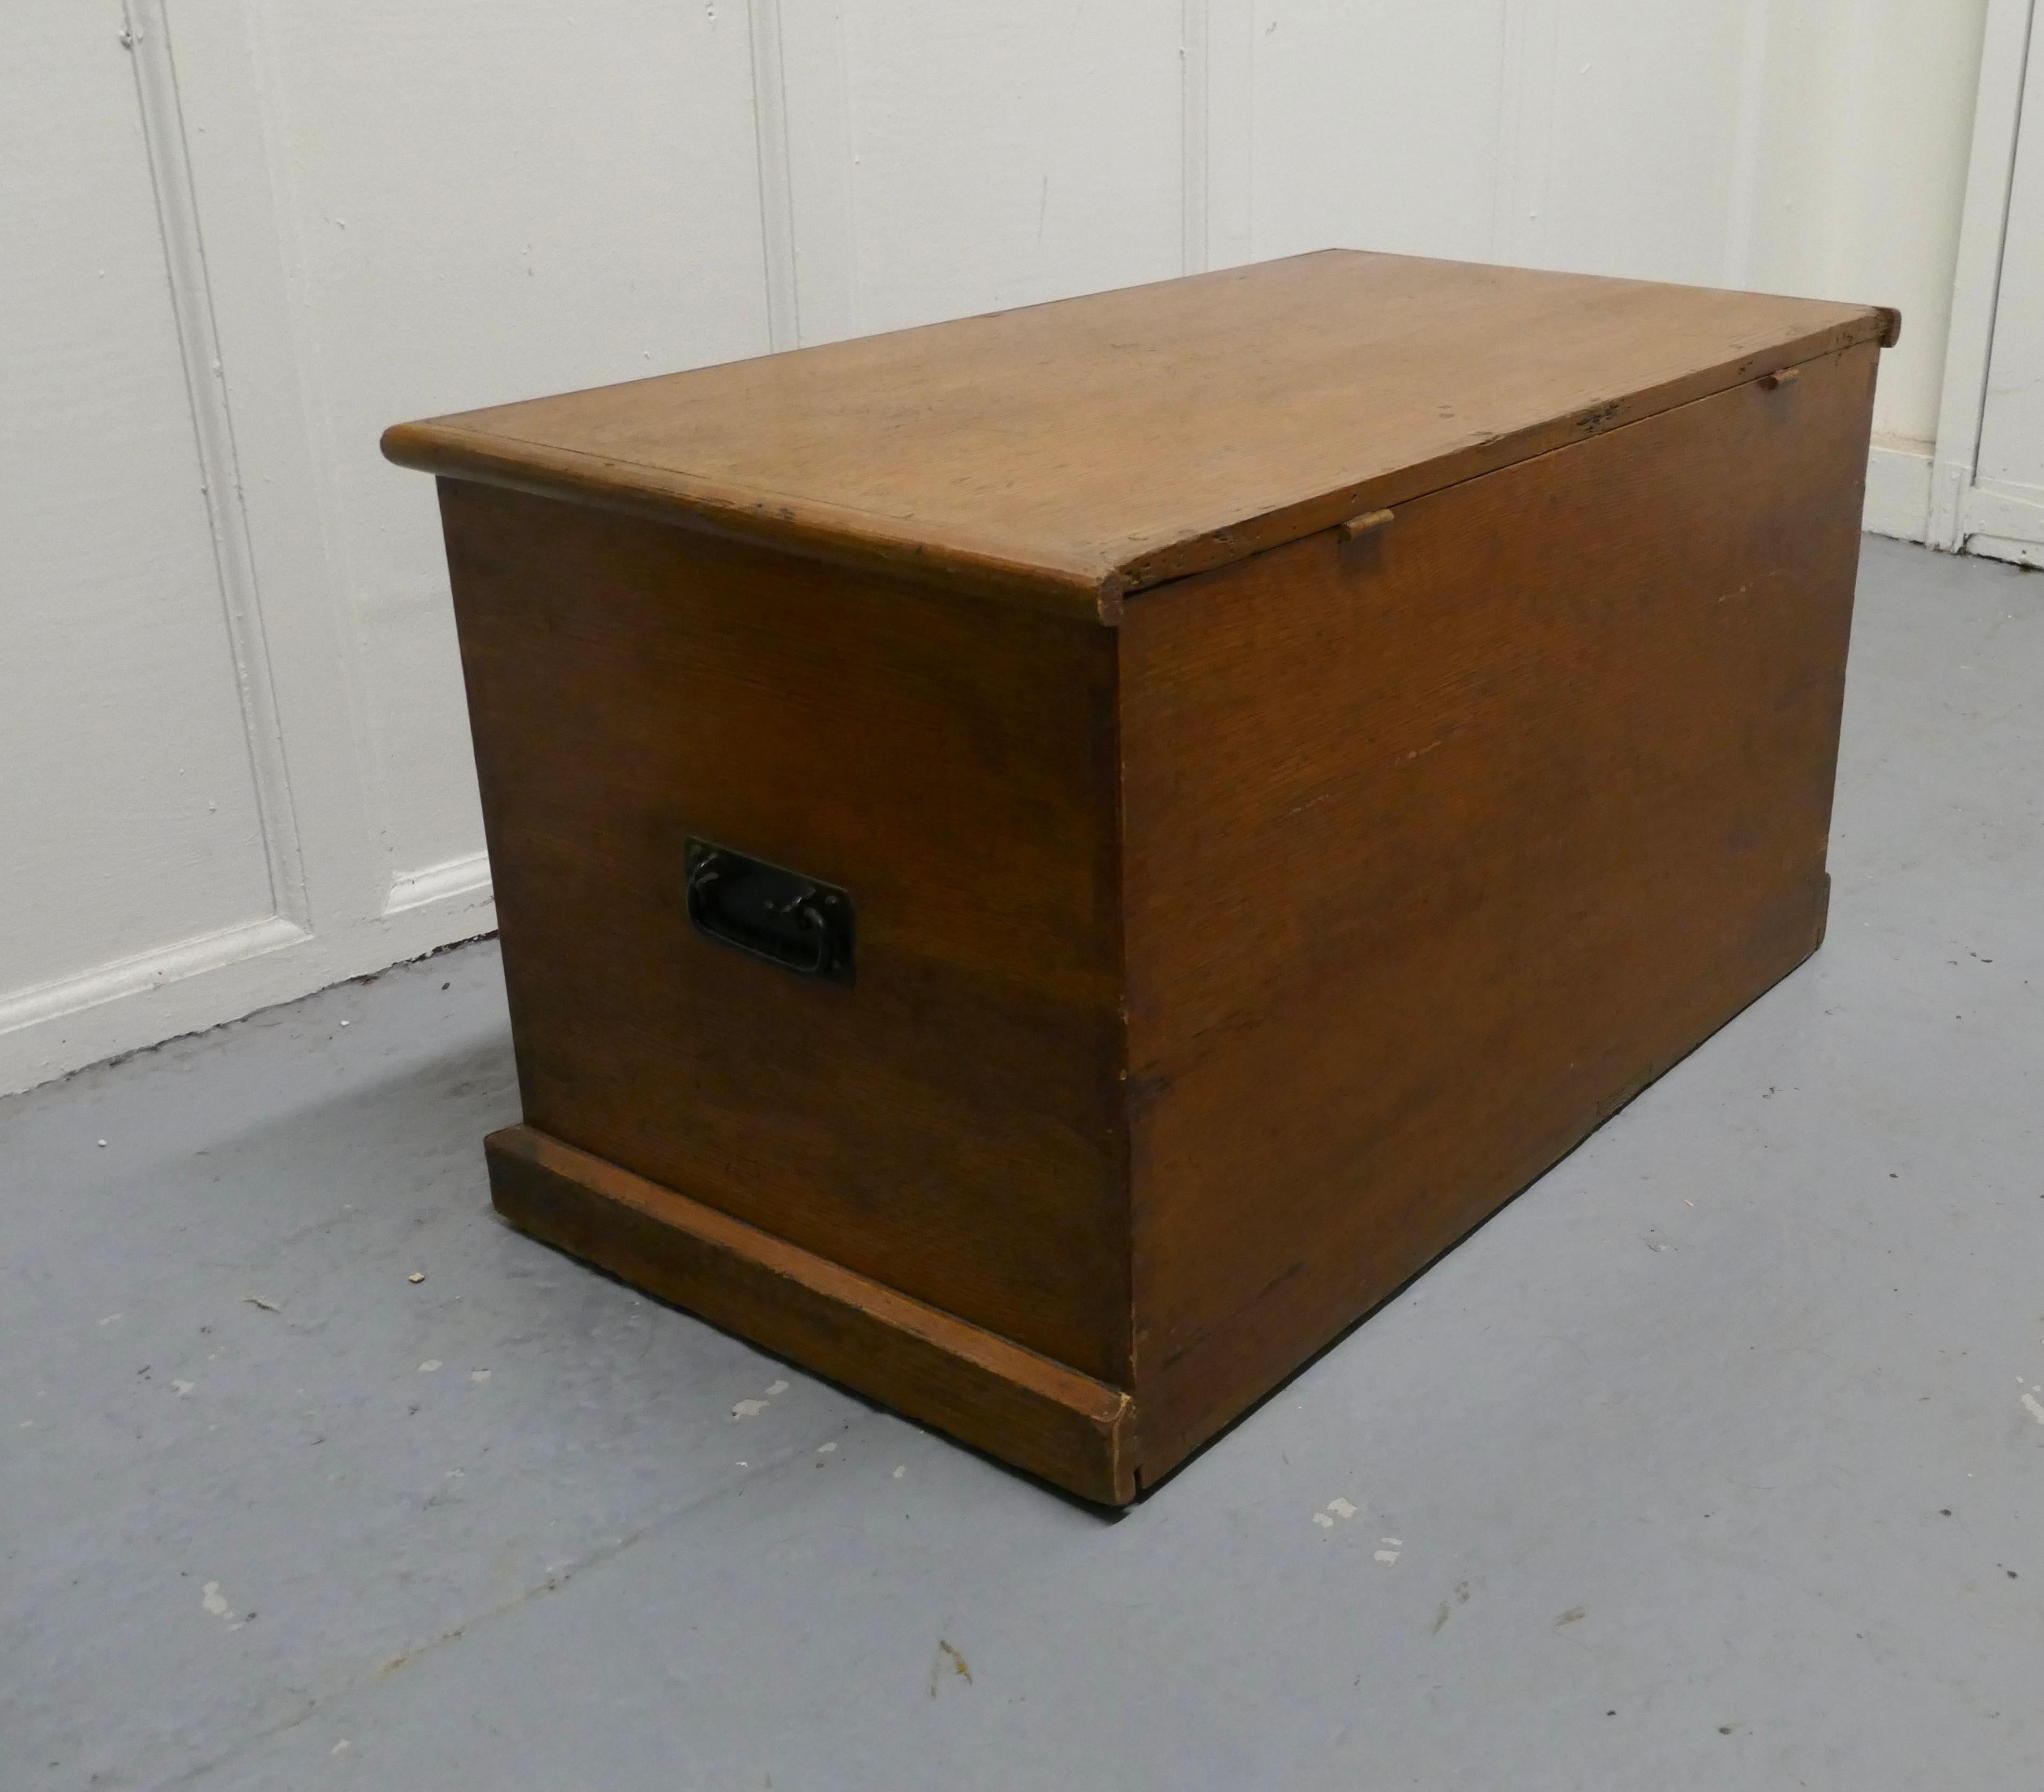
x: 1990, y: 433
x: 1868, y: 118
x: 129, y: 805
x: 1007, y: 151
x: 493, y: 199
x: 1643, y: 114
x: 260, y: 230
x: 1376, y: 126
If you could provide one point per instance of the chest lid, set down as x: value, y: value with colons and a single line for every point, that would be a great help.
x: 1069, y: 454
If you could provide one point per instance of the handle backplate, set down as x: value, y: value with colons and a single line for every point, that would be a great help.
x: 785, y: 917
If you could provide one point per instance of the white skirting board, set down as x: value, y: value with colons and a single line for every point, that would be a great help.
x: 1898, y: 489
x: 189, y: 985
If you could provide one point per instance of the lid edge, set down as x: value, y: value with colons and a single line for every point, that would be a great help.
x: 1222, y: 544
x: 866, y: 540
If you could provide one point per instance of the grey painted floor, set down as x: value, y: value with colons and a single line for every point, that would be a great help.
x: 1716, y: 1461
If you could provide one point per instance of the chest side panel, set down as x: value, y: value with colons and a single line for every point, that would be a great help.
x: 1443, y: 841
x: 947, y: 1123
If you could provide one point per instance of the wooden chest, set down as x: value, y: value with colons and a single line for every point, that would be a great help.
x: 1047, y: 863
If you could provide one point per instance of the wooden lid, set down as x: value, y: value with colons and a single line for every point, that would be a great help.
x: 1071, y: 453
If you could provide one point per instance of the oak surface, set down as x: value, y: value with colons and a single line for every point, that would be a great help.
x: 983, y: 1389
x: 1066, y: 454
x: 1417, y: 731
x: 950, y: 1123
x: 1443, y: 842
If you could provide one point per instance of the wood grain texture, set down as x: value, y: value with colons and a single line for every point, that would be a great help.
x: 951, y: 1125
x: 1066, y: 454
x: 1443, y: 842
x: 979, y: 1388
x: 1214, y: 970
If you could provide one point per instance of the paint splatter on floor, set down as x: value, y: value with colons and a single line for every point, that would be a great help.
x: 947, y: 1658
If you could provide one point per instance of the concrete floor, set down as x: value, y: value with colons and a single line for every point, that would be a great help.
x: 1716, y: 1461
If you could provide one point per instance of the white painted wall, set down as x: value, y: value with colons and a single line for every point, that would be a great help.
x: 1988, y: 487
x: 254, y: 232
x: 1863, y: 152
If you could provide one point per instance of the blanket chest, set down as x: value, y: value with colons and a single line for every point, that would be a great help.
x: 1046, y: 864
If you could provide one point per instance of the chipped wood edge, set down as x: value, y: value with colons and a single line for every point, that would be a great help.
x: 982, y: 1389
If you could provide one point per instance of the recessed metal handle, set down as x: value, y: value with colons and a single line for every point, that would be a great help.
x: 785, y: 917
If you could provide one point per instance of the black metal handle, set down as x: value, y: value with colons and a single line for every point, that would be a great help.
x: 798, y: 922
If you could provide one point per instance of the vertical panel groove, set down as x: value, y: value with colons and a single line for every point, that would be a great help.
x: 2001, y: 240
x: 1976, y: 285
x: 777, y: 202
x: 1227, y: 129
x: 1743, y: 198
x: 817, y: 122
x: 148, y: 38
x: 1525, y: 132
x: 1193, y: 141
